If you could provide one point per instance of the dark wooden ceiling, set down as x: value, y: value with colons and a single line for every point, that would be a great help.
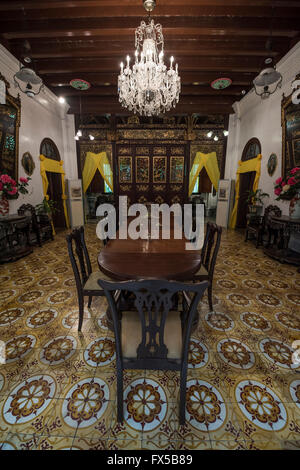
x: 88, y: 39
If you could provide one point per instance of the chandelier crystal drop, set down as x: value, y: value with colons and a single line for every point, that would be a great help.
x: 149, y: 88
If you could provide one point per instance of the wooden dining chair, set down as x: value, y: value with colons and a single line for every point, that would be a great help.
x: 209, y: 255
x: 86, y: 280
x: 152, y: 335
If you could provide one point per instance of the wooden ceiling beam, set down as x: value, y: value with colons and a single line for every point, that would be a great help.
x: 180, y: 109
x: 93, y: 49
x: 172, y: 26
x: 87, y: 101
x: 216, y: 64
x: 201, y: 77
x: 15, y: 5
x: 161, y: 11
x: 186, y: 90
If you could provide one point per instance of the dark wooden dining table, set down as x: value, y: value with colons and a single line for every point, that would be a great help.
x: 128, y: 259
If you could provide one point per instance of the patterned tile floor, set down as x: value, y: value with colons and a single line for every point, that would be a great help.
x: 58, y: 388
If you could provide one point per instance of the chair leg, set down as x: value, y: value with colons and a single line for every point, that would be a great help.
x: 120, y: 411
x: 182, y: 399
x: 209, y: 294
x: 81, y: 307
x: 90, y: 301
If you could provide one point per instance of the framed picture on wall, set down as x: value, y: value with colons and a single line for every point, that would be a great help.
x: 272, y: 164
x: 290, y: 122
x: 223, y: 190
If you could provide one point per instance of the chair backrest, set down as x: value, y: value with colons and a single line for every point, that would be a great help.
x: 153, y: 300
x: 211, y: 246
x: 81, y: 263
x: 271, y: 211
x: 29, y: 211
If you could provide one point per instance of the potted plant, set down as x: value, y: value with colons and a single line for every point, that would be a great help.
x: 47, y: 206
x: 255, y: 201
x: 288, y: 189
x: 11, y: 189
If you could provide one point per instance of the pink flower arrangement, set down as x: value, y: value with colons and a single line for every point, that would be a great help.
x: 287, y: 188
x: 10, y: 189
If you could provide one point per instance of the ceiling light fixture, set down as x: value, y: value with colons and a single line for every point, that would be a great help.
x: 34, y: 83
x: 61, y: 99
x: 209, y: 134
x: 267, y: 82
x: 269, y: 79
x: 149, y: 88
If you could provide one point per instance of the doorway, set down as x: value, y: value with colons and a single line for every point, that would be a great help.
x: 246, y: 184
x: 55, y: 194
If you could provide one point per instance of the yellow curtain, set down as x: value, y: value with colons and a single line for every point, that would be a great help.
x: 94, y: 162
x: 53, y: 166
x: 244, y: 167
x: 210, y: 162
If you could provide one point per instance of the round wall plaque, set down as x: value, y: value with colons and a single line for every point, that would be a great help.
x: 28, y: 163
x: 80, y: 84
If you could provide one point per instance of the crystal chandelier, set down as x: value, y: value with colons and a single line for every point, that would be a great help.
x: 149, y: 88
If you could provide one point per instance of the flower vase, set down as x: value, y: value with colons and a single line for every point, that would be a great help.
x: 294, y: 209
x: 4, y: 207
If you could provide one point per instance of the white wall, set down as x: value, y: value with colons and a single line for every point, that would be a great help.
x: 259, y: 118
x: 42, y: 116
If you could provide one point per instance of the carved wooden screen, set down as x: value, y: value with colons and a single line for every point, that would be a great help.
x: 152, y: 172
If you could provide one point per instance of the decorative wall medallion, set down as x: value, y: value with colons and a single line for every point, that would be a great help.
x: 29, y: 399
x: 159, y: 200
x: 85, y: 402
x: 175, y: 200
x: 146, y: 405
x: 28, y: 163
x: 205, y: 407
x: 261, y: 405
x: 272, y: 164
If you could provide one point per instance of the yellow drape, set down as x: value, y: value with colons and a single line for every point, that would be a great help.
x: 53, y: 166
x: 94, y: 162
x: 210, y: 162
x: 244, y: 167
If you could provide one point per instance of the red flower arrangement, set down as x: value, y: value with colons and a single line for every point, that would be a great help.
x: 10, y: 189
x: 287, y: 188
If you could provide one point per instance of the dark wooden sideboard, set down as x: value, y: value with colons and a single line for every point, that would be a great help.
x: 14, y: 237
x: 281, y: 229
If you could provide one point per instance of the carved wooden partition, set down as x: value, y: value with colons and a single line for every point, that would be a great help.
x: 156, y: 172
